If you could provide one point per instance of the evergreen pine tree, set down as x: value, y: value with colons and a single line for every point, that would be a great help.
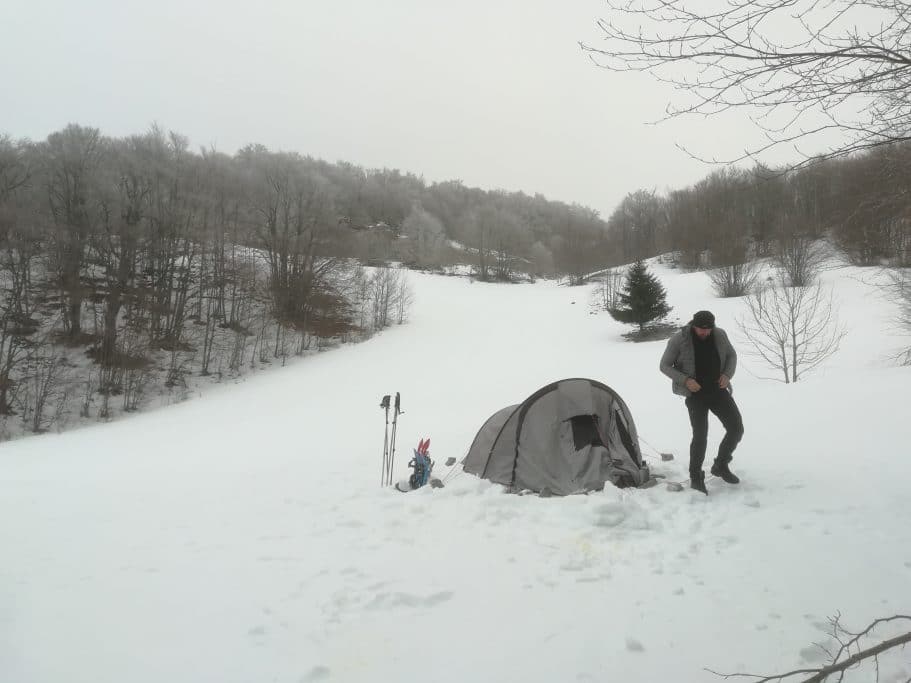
x: 642, y: 298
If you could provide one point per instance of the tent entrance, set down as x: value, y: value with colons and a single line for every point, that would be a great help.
x: 586, y: 431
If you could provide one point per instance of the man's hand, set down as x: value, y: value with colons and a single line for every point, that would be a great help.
x: 723, y: 381
x: 693, y: 385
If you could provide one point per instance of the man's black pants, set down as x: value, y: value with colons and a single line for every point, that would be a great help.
x: 721, y: 403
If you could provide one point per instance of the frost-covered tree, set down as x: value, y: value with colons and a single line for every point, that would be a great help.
x: 426, y: 234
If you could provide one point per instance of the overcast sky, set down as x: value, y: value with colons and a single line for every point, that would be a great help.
x: 496, y: 93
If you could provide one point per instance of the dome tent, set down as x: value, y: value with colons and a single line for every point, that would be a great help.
x: 568, y: 437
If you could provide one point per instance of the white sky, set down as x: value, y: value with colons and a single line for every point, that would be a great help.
x: 497, y: 94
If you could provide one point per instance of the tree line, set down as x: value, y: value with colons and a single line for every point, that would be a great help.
x: 130, y: 249
x: 856, y: 207
x: 123, y: 248
x: 861, y: 203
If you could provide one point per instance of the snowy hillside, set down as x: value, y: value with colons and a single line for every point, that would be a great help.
x: 244, y: 536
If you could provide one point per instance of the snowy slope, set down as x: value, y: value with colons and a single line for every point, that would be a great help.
x: 244, y: 536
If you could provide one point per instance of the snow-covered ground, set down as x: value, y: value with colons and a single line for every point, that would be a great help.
x: 244, y: 536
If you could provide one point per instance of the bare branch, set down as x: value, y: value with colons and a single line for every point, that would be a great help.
x: 813, y: 66
x: 842, y: 660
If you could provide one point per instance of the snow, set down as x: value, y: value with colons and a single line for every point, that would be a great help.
x: 244, y: 535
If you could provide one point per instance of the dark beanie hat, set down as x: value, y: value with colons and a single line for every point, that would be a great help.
x: 704, y: 319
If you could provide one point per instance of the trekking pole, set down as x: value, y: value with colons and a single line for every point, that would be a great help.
x: 385, y: 404
x: 397, y: 410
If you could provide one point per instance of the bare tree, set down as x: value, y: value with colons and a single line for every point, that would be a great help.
x: 737, y: 279
x: 72, y: 159
x: 799, y: 259
x: 20, y: 250
x: 688, y: 233
x: 765, y: 196
x: 18, y: 305
x: 291, y: 207
x: 133, y: 366
x: 44, y: 382
x: 808, y: 67
x: 404, y: 298
x: 735, y: 270
x: 638, y: 221
x: 209, y: 328
x: 117, y: 244
x: 709, y: 223
x: 606, y: 295
x: 905, y: 355
x: 510, y: 239
x: 542, y: 260
x: 388, y: 298
x: 873, y: 212
x: 897, y: 288
x: 426, y: 234
x: 382, y: 296
x: 482, y: 225
x: 238, y: 350
x: 14, y: 169
x: 87, y: 397
x: 172, y: 250
x: 793, y: 329
x: 579, y: 245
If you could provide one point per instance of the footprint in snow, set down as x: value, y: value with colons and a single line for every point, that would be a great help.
x: 386, y: 600
x: 633, y: 645
x: 610, y: 515
x: 575, y: 565
x: 723, y: 542
x: 317, y: 673
x: 352, y: 523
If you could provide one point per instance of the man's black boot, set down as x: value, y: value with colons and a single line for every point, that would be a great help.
x: 721, y: 469
x: 697, y: 482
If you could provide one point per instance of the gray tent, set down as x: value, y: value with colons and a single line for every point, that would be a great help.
x: 568, y: 437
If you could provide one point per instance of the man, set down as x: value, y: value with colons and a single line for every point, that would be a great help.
x: 700, y: 361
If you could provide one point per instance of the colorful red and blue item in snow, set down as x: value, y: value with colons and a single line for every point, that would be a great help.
x: 422, y: 465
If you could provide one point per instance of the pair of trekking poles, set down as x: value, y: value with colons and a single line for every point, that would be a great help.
x: 389, y: 443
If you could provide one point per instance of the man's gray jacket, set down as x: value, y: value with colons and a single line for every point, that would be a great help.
x: 679, y: 359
